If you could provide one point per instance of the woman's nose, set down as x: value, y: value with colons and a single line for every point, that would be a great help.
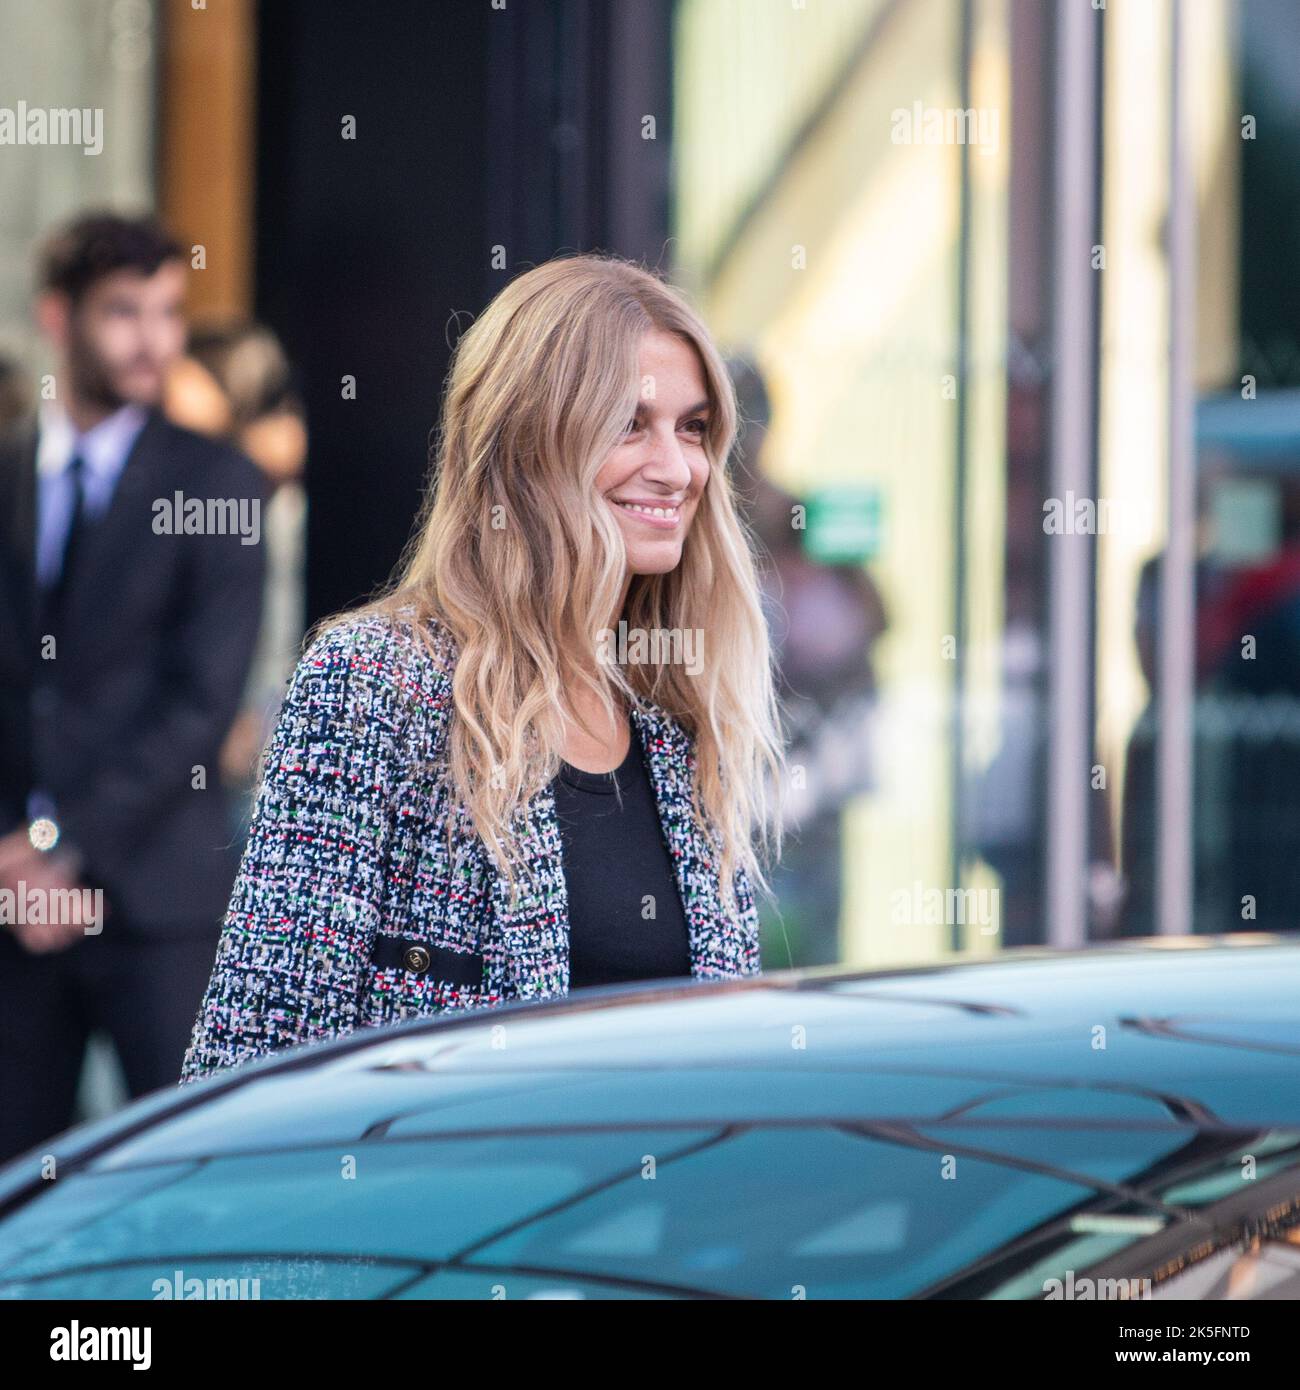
x: 666, y: 464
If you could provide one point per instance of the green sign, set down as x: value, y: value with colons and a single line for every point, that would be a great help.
x: 845, y: 524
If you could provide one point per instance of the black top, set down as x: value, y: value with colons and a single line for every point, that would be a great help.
x: 618, y: 872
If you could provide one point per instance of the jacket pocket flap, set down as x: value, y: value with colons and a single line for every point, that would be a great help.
x: 423, y: 958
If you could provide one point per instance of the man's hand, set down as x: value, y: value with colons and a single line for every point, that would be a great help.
x: 16, y: 852
x: 23, y: 868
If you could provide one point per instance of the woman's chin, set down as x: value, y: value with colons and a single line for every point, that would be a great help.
x: 655, y: 558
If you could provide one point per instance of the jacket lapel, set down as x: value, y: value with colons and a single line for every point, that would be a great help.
x: 671, y: 759
x: 129, y: 511
x: 534, y: 934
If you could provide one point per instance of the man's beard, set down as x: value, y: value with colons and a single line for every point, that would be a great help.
x: 91, y: 381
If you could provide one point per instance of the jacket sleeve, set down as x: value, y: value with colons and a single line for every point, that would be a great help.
x: 358, y: 724
x: 749, y: 925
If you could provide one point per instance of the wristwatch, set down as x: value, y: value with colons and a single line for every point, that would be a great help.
x: 44, y: 833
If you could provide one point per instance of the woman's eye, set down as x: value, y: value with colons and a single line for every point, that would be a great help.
x: 700, y: 425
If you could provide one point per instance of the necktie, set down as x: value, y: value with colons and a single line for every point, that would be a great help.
x: 58, y: 590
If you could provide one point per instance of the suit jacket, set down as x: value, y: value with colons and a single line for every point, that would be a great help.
x: 159, y: 632
x: 364, y: 895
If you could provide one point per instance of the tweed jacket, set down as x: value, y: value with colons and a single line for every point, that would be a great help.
x: 350, y: 908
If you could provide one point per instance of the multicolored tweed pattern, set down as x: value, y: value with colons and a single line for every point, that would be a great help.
x: 349, y: 843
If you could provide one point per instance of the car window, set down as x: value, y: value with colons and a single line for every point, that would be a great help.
x: 783, y: 1212
x: 409, y: 1204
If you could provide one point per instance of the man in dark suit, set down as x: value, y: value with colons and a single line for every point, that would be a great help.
x: 130, y: 597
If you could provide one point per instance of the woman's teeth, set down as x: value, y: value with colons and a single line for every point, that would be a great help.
x: 667, y: 513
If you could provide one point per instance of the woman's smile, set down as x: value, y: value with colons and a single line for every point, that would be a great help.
x: 664, y: 516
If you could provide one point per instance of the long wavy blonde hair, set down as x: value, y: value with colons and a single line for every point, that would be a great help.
x: 519, y: 563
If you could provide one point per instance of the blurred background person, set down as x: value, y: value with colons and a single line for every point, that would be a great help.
x: 125, y: 644
x: 235, y: 383
x: 1247, y: 735
x: 15, y: 393
x: 824, y: 620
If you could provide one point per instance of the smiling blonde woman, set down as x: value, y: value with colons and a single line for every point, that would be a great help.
x: 548, y: 757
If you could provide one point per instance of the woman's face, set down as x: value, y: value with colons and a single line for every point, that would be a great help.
x: 654, y: 478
